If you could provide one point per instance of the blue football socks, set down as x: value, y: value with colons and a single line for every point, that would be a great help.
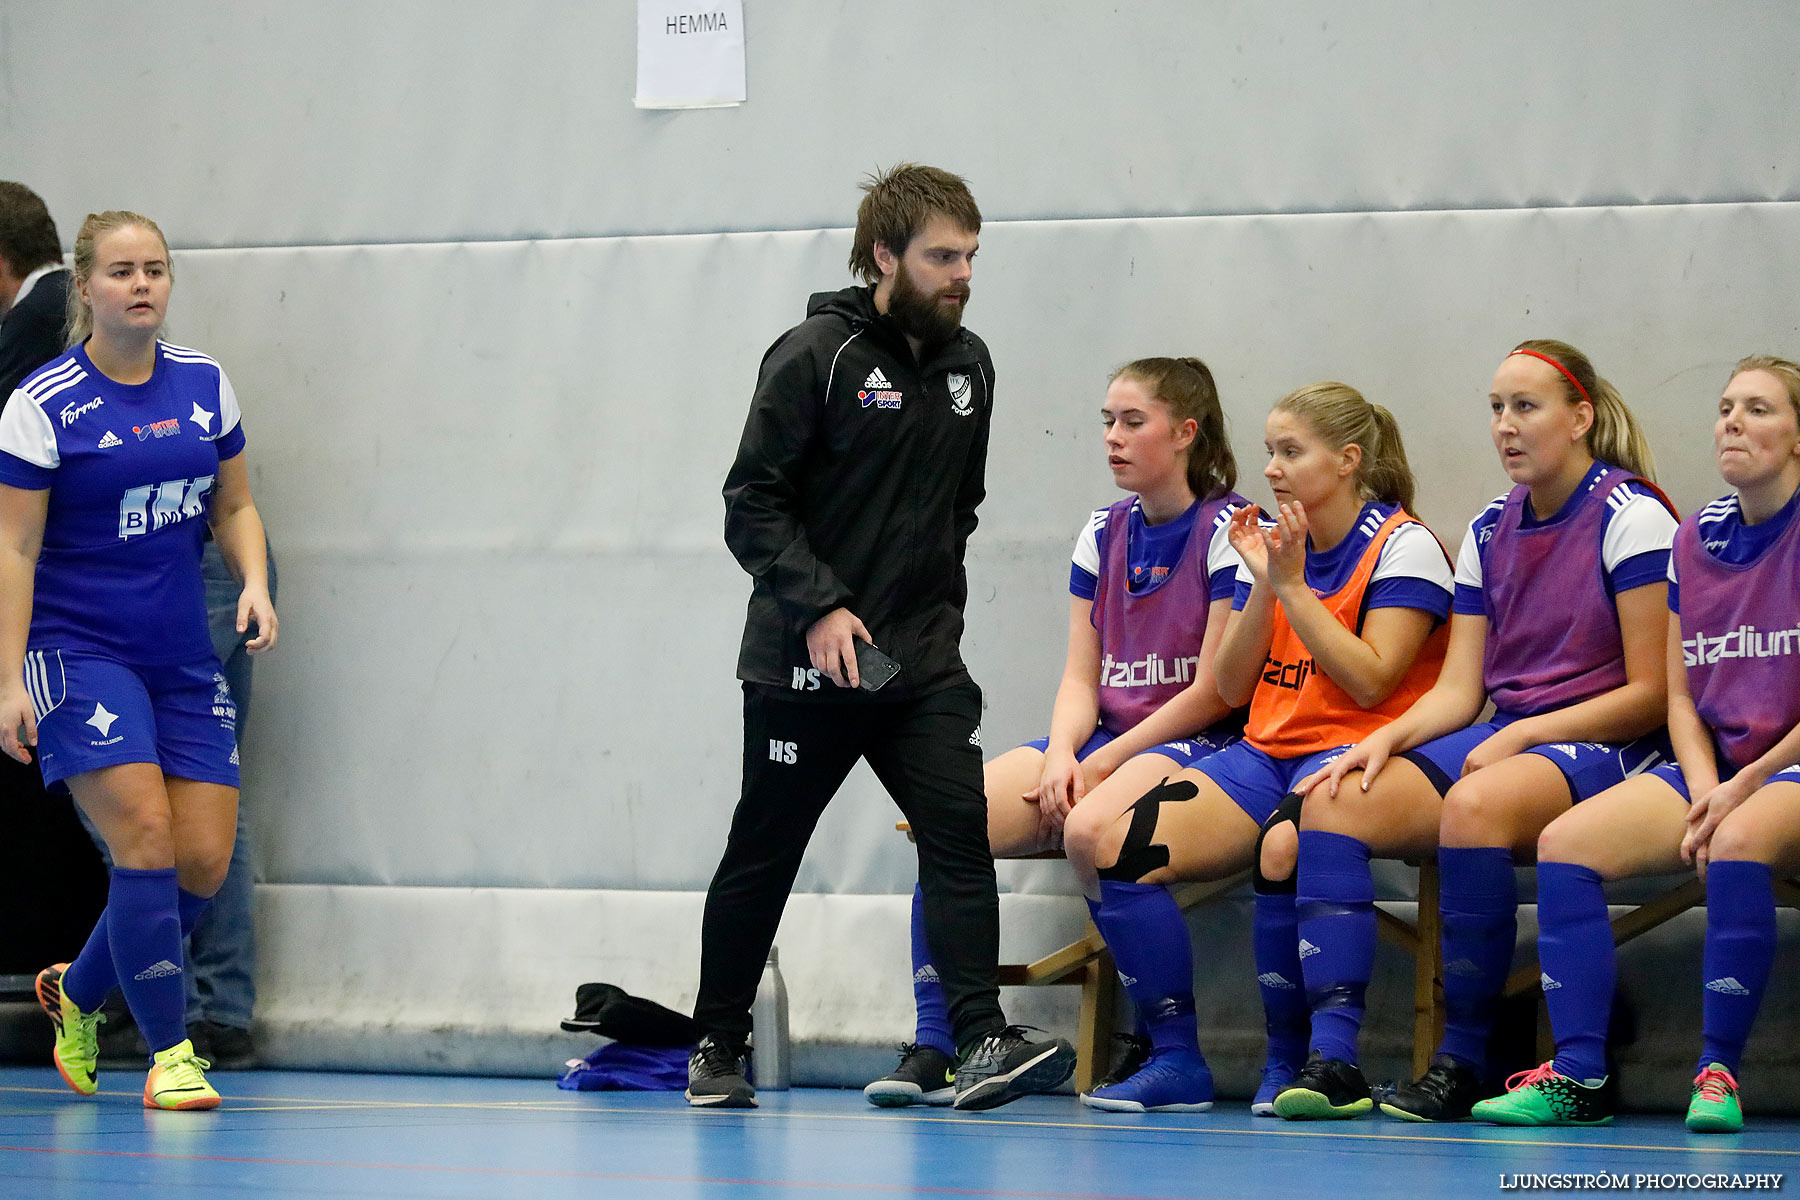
x: 92, y: 971
x: 1148, y: 937
x: 928, y: 993
x: 1740, y: 950
x: 1276, y: 940
x: 1336, y: 905
x: 143, y: 928
x: 1575, y: 948
x: 1479, y: 900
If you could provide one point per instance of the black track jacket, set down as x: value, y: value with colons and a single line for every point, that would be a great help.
x: 855, y: 486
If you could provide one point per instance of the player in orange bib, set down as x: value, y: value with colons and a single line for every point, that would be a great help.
x: 1342, y: 602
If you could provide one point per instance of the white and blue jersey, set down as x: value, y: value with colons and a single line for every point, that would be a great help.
x: 1553, y: 636
x: 1411, y: 572
x: 1634, y: 544
x: 130, y: 470
x: 1723, y: 532
x: 1153, y: 552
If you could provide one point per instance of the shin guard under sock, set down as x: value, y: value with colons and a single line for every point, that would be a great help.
x: 1148, y: 937
x: 1336, y: 905
x: 1286, y: 1014
x: 1575, y: 948
x: 1740, y: 950
x: 928, y: 994
x: 1479, y: 899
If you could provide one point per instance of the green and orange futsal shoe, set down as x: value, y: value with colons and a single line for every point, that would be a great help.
x: 177, y: 1080
x: 77, y: 1049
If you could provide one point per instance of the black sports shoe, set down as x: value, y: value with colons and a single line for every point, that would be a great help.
x: 227, y: 1047
x: 925, y: 1076
x: 1006, y: 1065
x: 1134, y: 1052
x: 716, y: 1073
x: 1445, y: 1092
x: 1327, y: 1089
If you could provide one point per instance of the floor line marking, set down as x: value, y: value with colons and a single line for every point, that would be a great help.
x: 295, y: 1104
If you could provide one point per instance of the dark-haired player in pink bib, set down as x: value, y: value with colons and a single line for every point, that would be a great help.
x: 1150, y: 592
x: 1730, y: 804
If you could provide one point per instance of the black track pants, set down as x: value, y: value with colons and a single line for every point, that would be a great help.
x: 796, y: 756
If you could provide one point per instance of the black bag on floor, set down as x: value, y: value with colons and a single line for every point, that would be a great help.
x: 613, y: 1012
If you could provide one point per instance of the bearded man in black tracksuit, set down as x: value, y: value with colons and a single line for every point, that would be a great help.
x: 851, y: 504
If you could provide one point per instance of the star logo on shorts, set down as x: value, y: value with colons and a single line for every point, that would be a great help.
x: 102, y: 720
x: 202, y: 418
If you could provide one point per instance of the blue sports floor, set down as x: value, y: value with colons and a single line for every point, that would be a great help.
x: 300, y: 1134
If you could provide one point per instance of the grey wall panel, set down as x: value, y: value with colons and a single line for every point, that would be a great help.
x: 339, y: 122
x: 494, y: 469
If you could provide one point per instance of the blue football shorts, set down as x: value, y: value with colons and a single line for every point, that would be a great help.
x: 1257, y: 781
x: 94, y: 711
x: 1588, y: 767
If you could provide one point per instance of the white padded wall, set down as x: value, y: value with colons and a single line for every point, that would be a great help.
x: 424, y: 120
x: 494, y: 330
x: 510, y: 619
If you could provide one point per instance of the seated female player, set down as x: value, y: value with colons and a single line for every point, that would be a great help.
x: 1150, y: 593
x: 1341, y: 604
x: 1729, y: 805
x: 1559, y: 601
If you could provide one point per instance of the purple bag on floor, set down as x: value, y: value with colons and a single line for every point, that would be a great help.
x: 621, y: 1067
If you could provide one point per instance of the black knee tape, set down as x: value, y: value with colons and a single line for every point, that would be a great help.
x: 1137, y: 857
x: 1287, y: 811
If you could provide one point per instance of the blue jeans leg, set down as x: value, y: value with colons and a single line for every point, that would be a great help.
x: 222, y: 948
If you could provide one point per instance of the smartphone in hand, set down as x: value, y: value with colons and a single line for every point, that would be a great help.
x: 873, y: 668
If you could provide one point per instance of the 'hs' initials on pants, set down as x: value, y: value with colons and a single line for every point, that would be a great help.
x: 783, y: 752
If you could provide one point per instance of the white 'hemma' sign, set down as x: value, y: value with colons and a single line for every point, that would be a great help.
x: 690, y: 53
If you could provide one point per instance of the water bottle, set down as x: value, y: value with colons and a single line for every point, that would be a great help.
x: 769, y: 1026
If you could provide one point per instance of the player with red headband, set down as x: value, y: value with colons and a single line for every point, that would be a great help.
x: 1560, y: 587
x: 1728, y: 807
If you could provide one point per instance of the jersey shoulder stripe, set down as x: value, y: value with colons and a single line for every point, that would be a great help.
x: 183, y: 354
x: 52, y: 378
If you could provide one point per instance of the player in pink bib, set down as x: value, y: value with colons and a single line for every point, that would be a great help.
x: 1559, y: 600
x: 1150, y: 592
x: 1729, y: 806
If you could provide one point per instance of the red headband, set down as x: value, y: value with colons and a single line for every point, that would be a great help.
x: 1566, y: 373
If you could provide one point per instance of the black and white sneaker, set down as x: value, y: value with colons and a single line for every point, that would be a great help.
x: 1445, y: 1092
x: 924, y: 1076
x: 1133, y: 1053
x: 1006, y: 1065
x: 717, y: 1074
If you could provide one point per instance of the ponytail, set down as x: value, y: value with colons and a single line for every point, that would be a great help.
x: 1340, y: 415
x: 1615, y: 436
x: 1186, y: 387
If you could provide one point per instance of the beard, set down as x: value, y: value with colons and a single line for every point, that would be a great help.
x: 921, y: 315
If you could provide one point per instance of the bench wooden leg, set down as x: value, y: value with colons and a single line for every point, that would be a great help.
x: 1428, y: 972
x: 1093, y: 1045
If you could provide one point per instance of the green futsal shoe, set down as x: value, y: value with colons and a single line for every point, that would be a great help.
x: 1714, y: 1106
x: 1542, y: 1097
x: 77, y: 1049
